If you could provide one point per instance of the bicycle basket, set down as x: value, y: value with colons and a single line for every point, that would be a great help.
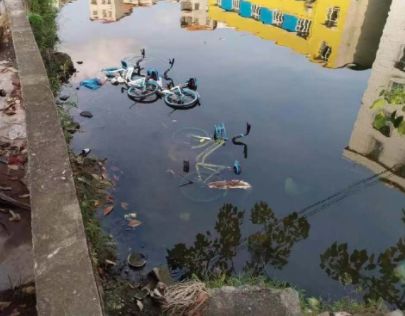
x: 153, y: 74
x: 192, y: 84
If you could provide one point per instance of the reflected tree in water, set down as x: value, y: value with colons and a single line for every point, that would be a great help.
x: 273, y: 243
x: 374, y: 274
x: 212, y: 254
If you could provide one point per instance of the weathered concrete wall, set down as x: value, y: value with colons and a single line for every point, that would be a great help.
x: 65, y: 283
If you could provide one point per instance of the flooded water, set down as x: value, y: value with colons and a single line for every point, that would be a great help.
x: 325, y: 209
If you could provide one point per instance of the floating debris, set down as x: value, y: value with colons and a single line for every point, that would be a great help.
x: 124, y: 205
x: 229, y: 184
x: 136, y: 260
x: 134, y: 223
x: 86, y: 114
x: 130, y: 216
x: 85, y: 152
x: 108, y: 210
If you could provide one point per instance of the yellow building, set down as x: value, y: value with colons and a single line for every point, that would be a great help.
x: 334, y: 33
x: 109, y: 10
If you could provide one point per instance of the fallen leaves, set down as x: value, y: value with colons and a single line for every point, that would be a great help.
x: 14, y: 217
x: 124, y: 205
x: 134, y: 223
x: 108, y: 209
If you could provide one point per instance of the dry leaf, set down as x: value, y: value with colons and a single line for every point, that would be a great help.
x: 13, y: 167
x: 134, y: 223
x: 140, y: 305
x: 108, y: 210
x: 24, y: 196
x: 97, y: 203
x: 14, y: 216
x: 124, y: 205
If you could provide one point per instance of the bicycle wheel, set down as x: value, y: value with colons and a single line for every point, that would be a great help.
x: 186, y: 100
x: 140, y: 92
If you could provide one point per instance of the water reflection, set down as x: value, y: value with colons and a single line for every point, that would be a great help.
x: 333, y: 33
x: 194, y: 15
x: 374, y: 274
x: 377, y: 140
x: 114, y: 10
x: 213, y: 254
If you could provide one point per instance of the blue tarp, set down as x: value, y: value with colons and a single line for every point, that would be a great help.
x: 245, y: 9
x: 289, y: 22
x: 92, y: 84
x: 226, y: 5
x: 266, y: 16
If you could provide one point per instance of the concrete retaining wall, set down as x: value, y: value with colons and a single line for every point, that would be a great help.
x: 64, y: 278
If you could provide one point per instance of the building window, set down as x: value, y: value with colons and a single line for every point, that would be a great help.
x: 256, y: 11
x: 110, y: 14
x: 325, y: 51
x: 303, y: 27
x: 332, y: 17
x: 196, y: 6
x: 103, y: 2
x: 95, y: 13
x: 235, y: 5
x: 108, y: 1
x: 104, y: 13
x: 400, y: 64
x: 93, y: 1
x: 278, y: 17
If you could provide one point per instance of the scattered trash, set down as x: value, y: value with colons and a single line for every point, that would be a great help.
x: 86, y: 114
x: 111, y: 263
x: 130, y: 216
x: 136, y: 260
x: 79, y: 62
x: 140, y: 305
x: 124, y: 205
x: 5, y: 199
x: 134, y: 223
x: 17, y: 131
x: 108, y: 209
x: 3, y: 93
x: 5, y: 188
x: 14, y: 216
x: 64, y: 97
x: 170, y: 171
x: 24, y: 196
x: 229, y: 184
x: 85, y: 152
x: 92, y: 84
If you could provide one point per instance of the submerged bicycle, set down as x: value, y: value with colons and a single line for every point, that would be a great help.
x: 209, y: 181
